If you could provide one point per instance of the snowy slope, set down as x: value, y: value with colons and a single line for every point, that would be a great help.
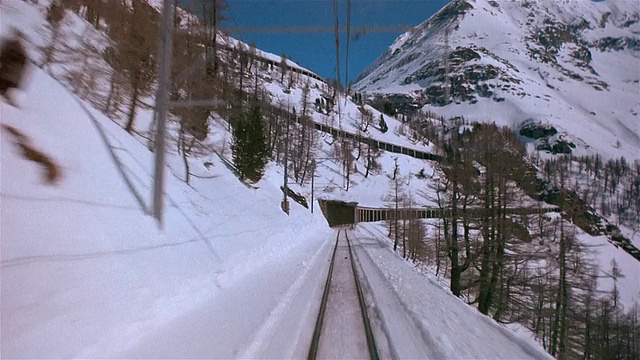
x: 86, y: 273
x: 573, y: 65
x: 415, y: 304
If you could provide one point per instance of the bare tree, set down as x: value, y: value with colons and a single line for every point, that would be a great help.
x: 213, y: 13
x: 136, y: 42
x: 396, y: 198
x: 55, y: 17
x: 454, y: 195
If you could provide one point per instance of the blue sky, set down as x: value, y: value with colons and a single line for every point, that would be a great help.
x: 316, y: 51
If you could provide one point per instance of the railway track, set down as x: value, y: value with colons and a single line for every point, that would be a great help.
x: 343, y: 329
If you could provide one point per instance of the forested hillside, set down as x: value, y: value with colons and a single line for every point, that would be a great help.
x: 566, y: 277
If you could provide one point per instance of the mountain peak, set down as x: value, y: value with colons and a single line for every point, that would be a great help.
x: 571, y: 65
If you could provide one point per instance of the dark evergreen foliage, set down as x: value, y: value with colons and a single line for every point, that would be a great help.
x: 383, y: 124
x: 250, y: 150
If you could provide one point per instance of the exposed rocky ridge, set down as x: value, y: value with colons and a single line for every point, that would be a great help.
x: 558, y: 62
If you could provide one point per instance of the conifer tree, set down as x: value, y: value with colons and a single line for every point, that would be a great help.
x: 383, y: 124
x: 250, y: 150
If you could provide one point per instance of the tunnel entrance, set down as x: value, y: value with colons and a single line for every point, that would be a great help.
x: 338, y: 212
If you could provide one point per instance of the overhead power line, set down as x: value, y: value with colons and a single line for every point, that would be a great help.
x: 310, y: 29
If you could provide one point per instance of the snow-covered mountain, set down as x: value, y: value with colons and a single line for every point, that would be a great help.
x: 565, y: 74
x: 85, y: 271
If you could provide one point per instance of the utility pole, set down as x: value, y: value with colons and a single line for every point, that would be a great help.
x: 162, y: 97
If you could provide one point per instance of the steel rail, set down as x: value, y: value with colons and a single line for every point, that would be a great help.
x: 317, y: 29
x: 371, y: 343
x: 315, y: 341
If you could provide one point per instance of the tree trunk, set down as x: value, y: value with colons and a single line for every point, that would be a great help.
x: 498, y: 247
x: 489, y: 234
x: 133, y: 105
x: 395, y: 216
x: 369, y: 161
x: 438, y: 240
x: 456, y: 272
x: 404, y: 235
x: 185, y: 153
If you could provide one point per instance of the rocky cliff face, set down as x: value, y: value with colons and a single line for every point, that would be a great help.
x: 570, y: 65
